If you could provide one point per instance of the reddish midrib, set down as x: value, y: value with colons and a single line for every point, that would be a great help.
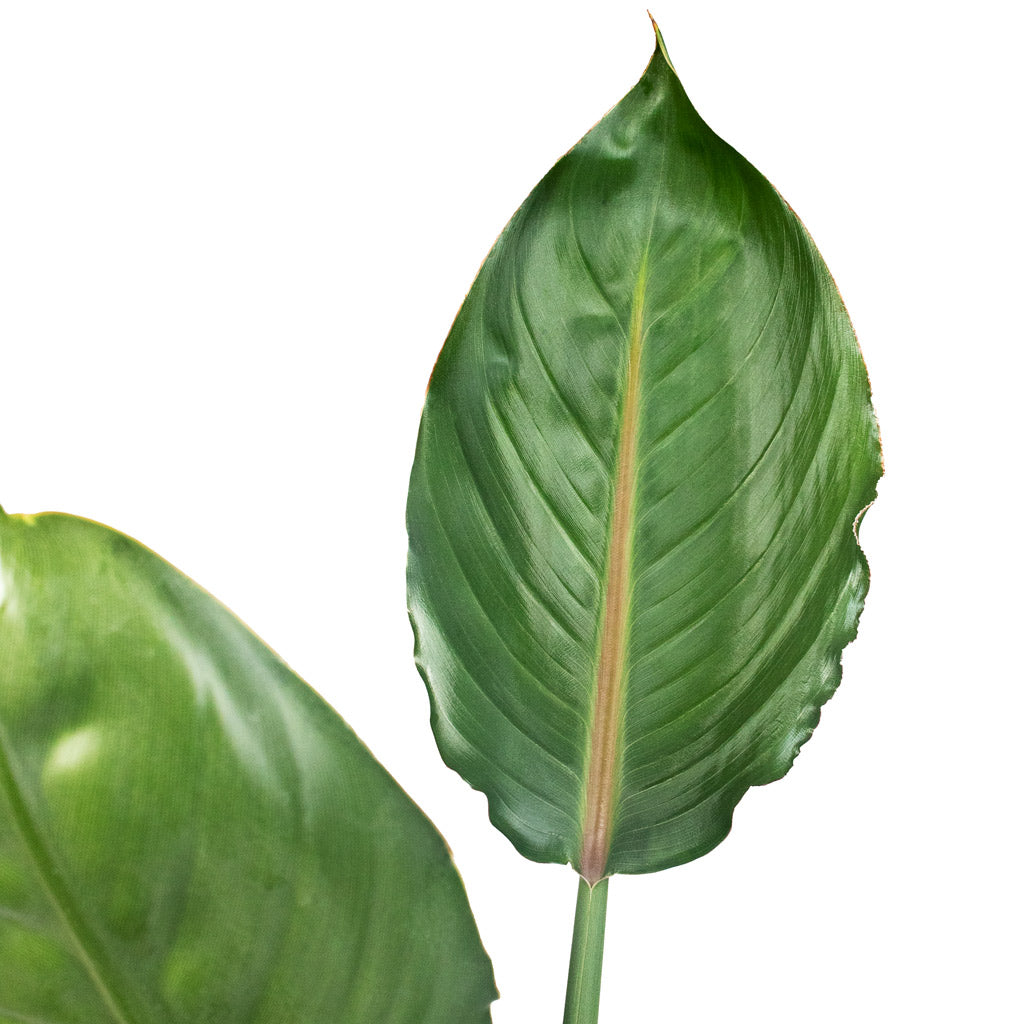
x: 604, y: 754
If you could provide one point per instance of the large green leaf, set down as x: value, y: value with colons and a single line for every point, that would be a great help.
x: 647, y: 440
x: 188, y: 833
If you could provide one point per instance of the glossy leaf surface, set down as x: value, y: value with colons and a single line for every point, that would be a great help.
x: 188, y: 833
x: 646, y: 442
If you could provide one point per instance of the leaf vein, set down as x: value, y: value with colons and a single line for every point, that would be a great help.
x: 488, y: 618
x: 546, y: 501
x: 701, y: 526
x: 549, y: 375
x: 60, y: 899
x: 835, y: 538
x: 672, y: 430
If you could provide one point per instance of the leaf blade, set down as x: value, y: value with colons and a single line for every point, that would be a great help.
x: 190, y: 833
x: 632, y: 559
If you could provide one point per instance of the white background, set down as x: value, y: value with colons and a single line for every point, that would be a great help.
x: 232, y: 239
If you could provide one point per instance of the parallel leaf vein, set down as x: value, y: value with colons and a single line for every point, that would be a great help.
x: 769, y: 648
x: 529, y: 474
x: 500, y: 542
x: 705, y: 523
x: 552, y: 381
x: 24, y: 1018
x: 672, y: 430
x: 743, y: 697
x: 499, y: 635
x: 587, y: 265
x: 566, y: 476
x: 794, y: 504
x: 742, y: 752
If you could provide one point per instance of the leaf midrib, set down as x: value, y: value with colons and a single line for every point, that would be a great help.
x: 54, y: 888
x: 604, y: 755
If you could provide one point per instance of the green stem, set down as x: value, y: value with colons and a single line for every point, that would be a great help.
x: 583, y: 991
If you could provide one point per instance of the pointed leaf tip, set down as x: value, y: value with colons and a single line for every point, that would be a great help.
x: 660, y: 46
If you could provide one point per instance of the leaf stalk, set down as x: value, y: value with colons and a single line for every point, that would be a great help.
x: 583, y: 989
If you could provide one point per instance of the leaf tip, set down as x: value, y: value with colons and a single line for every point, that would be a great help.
x: 659, y: 39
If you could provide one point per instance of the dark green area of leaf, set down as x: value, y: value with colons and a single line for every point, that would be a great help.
x: 755, y: 451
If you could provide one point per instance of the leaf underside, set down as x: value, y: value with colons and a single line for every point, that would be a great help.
x: 188, y: 833
x: 645, y: 446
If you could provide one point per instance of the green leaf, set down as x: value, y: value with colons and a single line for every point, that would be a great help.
x: 645, y: 447
x: 188, y: 832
